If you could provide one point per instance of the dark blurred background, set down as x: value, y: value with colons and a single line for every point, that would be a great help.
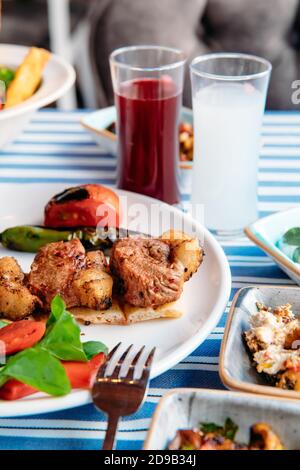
x: 86, y: 31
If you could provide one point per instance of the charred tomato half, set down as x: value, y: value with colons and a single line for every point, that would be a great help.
x: 90, y: 205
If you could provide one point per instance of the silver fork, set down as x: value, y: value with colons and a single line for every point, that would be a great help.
x: 120, y: 396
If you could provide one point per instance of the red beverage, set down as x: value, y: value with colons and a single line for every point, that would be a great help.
x: 148, y: 114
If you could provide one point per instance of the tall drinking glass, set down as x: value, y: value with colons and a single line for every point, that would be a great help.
x: 148, y: 82
x: 2, y: 94
x: 229, y: 95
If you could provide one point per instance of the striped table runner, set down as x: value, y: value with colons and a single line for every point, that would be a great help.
x: 55, y: 148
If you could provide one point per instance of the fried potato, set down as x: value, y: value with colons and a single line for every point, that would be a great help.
x: 16, y: 301
x: 28, y: 77
x: 93, y: 288
x: 186, y: 249
x: 10, y: 270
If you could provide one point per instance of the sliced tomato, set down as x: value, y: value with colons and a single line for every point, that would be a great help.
x: 21, y: 335
x: 81, y: 375
x: 14, y: 390
x: 90, y: 205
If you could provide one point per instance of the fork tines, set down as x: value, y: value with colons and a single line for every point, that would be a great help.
x: 115, y: 373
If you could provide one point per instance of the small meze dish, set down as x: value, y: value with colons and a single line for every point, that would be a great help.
x: 260, y: 349
x: 225, y: 419
x: 268, y: 232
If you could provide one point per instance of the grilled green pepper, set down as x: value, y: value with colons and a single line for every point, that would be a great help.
x: 30, y: 238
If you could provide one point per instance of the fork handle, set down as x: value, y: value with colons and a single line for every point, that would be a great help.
x: 110, y: 435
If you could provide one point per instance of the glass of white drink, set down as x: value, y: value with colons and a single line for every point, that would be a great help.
x: 229, y: 95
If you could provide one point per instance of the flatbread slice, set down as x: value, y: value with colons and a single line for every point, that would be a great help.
x: 137, y: 314
x: 125, y: 314
x: 113, y: 316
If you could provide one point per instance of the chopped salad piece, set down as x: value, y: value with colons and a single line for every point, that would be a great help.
x: 47, y: 357
x: 212, y: 436
x: 273, y: 341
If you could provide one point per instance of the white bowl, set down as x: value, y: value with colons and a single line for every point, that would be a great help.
x: 58, y: 78
x: 267, y: 232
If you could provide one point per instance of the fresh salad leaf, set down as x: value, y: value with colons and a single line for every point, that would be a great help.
x: 3, y: 323
x: 39, y: 369
x: 229, y: 429
x: 62, y: 338
x: 40, y: 366
x: 6, y: 75
x: 292, y: 237
x: 210, y: 427
x: 296, y: 255
x: 92, y: 348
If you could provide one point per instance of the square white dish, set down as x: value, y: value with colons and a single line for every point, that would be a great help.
x: 267, y: 231
x: 235, y: 368
x: 186, y: 408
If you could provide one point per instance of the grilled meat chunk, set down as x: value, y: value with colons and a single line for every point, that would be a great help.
x: 147, y: 275
x: 64, y: 268
x: 16, y: 301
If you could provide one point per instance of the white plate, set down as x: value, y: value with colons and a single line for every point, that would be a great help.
x: 203, y: 301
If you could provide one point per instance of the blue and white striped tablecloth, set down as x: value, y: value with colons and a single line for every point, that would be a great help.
x: 55, y: 148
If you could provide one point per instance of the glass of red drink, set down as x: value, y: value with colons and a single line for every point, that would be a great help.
x: 2, y: 94
x: 148, y: 82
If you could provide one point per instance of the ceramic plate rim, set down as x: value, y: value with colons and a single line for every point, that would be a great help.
x: 80, y: 397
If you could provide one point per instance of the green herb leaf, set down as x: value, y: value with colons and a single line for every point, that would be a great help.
x: 211, y: 427
x: 58, y: 307
x: 3, y: 323
x: 39, y: 369
x: 230, y: 429
x: 6, y: 75
x: 62, y: 338
x: 296, y: 255
x: 292, y: 237
x: 92, y: 348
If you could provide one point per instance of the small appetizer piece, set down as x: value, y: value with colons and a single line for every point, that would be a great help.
x: 28, y: 77
x: 64, y: 268
x: 16, y: 301
x: 273, y: 343
x: 212, y: 436
x: 186, y: 140
x: 89, y: 205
